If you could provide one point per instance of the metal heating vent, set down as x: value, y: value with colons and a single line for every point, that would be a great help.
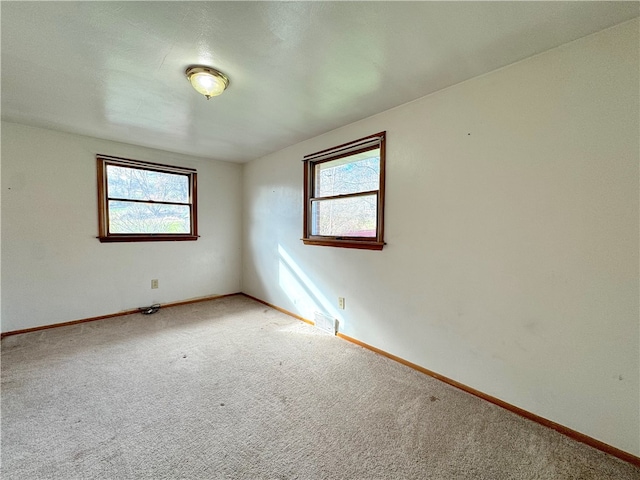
x: 325, y: 323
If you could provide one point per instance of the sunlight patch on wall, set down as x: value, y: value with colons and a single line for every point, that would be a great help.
x: 302, y: 291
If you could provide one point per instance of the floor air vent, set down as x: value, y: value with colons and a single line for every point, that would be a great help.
x: 325, y: 323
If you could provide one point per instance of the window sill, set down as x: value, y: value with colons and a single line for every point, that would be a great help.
x: 147, y: 238
x: 332, y: 242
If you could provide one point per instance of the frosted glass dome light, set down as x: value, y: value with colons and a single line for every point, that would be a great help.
x: 207, y: 81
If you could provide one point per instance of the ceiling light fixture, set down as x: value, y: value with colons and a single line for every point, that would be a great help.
x: 207, y: 81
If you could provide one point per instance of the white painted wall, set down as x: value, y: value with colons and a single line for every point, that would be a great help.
x: 54, y: 269
x: 512, y: 230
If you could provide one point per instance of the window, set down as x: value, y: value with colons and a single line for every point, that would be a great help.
x: 143, y: 201
x: 344, y: 195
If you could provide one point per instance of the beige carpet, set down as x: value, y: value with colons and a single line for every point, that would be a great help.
x: 231, y: 389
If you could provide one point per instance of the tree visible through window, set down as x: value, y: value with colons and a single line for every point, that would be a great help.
x: 143, y: 201
x: 344, y: 195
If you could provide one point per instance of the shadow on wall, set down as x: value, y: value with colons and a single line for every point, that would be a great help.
x: 301, y: 291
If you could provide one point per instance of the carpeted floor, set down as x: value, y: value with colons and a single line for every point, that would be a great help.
x: 231, y: 389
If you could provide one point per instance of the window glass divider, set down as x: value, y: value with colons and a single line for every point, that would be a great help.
x: 345, y: 195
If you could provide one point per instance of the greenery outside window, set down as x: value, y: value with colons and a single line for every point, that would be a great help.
x: 143, y: 201
x: 344, y: 195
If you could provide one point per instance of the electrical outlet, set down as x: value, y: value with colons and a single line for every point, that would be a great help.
x: 341, y: 303
x: 154, y: 283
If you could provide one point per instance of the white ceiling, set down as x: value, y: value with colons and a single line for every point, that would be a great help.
x: 115, y: 70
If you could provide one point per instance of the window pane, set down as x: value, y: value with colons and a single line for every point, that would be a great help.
x: 137, y: 184
x: 134, y: 217
x: 357, y: 173
x: 345, y: 217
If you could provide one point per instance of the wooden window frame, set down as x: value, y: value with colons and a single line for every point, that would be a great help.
x: 103, y: 201
x: 364, y: 144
